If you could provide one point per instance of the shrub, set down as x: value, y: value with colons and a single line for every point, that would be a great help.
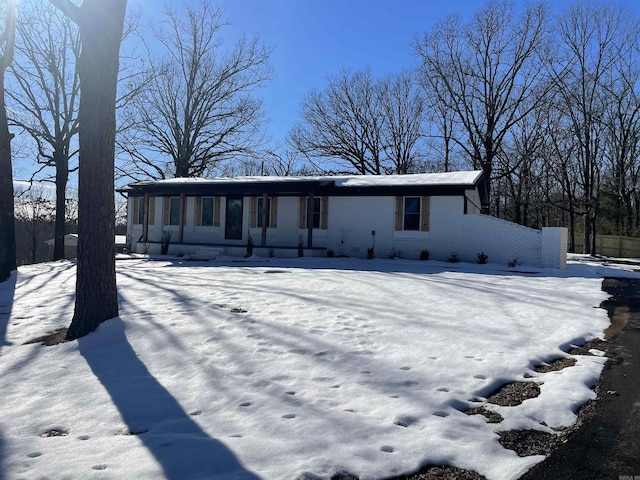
x: 394, y: 254
x: 300, y: 249
x: 165, y: 241
x: 514, y: 263
x: 330, y: 253
x: 483, y: 258
x: 454, y: 257
x: 425, y: 254
x: 249, y: 247
x: 271, y: 253
x: 371, y: 253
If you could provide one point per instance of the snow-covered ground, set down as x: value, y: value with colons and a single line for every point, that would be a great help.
x: 291, y: 368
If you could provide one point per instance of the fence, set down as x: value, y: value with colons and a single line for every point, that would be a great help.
x: 612, y: 246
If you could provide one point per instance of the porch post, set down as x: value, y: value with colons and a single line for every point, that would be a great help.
x: 310, y: 220
x: 145, y: 221
x: 183, y: 211
x: 265, y: 198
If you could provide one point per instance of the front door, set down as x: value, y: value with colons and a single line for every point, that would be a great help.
x: 233, y: 222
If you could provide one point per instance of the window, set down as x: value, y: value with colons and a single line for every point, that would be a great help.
x: 271, y: 213
x: 207, y: 211
x: 138, y: 210
x: 172, y: 207
x: 174, y: 211
x: 412, y: 214
x: 316, y: 212
x: 411, y: 220
x: 319, y: 214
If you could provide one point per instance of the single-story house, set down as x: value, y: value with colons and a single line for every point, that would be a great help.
x: 354, y: 215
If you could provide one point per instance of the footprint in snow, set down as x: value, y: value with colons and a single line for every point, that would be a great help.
x: 405, y: 421
x: 289, y: 415
x: 34, y: 454
x: 387, y: 449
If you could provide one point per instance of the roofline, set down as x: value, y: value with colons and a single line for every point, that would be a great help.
x: 298, y: 186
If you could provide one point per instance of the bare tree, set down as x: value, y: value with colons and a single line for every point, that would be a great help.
x: 341, y: 123
x: 622, y: 139
x: 444, y: 134
x: 7, y: 220
x: 35, y: 212
x: 359, y: 123
x: 101, y: 26
x: 45, y: 100
x: 403, y: 112
x: 196, y: 107
x: 592, y: 40
x: 520, y: 164
x: 488, y: 68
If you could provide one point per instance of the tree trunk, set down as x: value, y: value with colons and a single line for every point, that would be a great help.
x: 62, y: 176
x: 7, y: 220
x: 587, y: 234
x: 101, y: 25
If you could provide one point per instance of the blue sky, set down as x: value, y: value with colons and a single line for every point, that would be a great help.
x: 313, y: 39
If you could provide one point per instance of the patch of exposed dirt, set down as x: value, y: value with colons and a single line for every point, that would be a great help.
x: 492, y: 417
x: 430, y: 472
x: 51, y: 338
x: 529, y: 442
x: 514, y: 393
x: 595, y: 343
x: 556, y: 365
x: 54, y: 432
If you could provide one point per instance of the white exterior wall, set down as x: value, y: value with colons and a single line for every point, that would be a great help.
x: 351, y: 221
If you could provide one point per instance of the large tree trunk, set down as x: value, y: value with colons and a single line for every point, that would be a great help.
x: 7, y: 221
x: 101, y: 25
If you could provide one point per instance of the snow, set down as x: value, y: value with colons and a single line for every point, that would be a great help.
x: 290, y: 368
x: 419, y: 179
x: 448, y: 178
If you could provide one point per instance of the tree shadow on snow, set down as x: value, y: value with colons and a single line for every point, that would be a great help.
x: 7, y: 290
x: 179, y: 445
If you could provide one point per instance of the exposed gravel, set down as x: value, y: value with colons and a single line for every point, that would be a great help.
x: 430, y: 472
x: 596, y: 344
x: 514, y: 393
x: 492, y: 417
x: 529, y: 442
x: 556, y: 365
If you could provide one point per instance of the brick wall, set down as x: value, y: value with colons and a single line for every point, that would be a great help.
x: 505, y: 242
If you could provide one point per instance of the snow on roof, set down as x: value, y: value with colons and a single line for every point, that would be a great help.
x: 447, y: 178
